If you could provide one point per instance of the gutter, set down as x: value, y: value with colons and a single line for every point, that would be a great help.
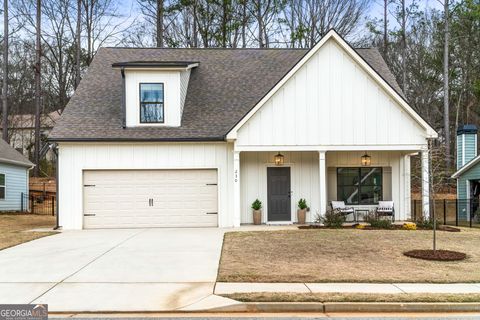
x: 208, y: 139
x: 19, y: 163
x: 57, y: 223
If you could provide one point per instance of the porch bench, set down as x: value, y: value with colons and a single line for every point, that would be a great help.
x: 343, y: 209
x: 385, y: 209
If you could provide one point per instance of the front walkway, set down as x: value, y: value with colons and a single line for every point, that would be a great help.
x: 113, y: 270
x: 373, y: 288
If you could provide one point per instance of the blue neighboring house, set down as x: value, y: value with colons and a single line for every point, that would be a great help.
x: 468, y: 171
x: 14, y: 172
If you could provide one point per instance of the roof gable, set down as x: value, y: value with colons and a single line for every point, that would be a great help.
x: 12, y: 156
x: 469, y: 165
x: 222, y: 90
x: 332, y: 35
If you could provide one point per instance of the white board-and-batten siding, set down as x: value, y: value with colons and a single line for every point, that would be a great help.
x: 331, y: 101
x: 16, y: 183
x: 304, y: 168
x: 74, y: 158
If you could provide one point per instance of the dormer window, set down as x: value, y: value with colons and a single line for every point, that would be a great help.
x: 148, y: 85
x: 151, y: 103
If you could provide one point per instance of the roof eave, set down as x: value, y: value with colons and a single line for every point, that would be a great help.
x: 187, y: 139
x: 29, y: 165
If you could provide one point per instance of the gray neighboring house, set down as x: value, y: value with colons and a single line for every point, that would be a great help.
x: 14, y: 172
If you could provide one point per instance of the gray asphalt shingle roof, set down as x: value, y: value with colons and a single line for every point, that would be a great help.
x: 12, y: 156
x: 222, y: 89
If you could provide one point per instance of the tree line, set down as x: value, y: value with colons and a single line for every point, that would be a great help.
x: 434, y: 54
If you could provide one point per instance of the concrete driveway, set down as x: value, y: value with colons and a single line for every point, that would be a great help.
x: 113, y: 270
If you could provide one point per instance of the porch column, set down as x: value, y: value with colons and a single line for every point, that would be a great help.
x: 236, y: 189
x: 425, y: 184
x: 322, y: 168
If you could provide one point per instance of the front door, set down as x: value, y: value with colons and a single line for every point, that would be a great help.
x: 278, y: 188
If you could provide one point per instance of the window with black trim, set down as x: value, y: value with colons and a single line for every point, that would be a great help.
x: 359, y: 185
x: 2, y: 186
x: 151, y: 103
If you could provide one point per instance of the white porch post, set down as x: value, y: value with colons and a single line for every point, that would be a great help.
x: 323, y: 183
x: 408, y: 187
x: 425, y: 184
x: 236, y: 189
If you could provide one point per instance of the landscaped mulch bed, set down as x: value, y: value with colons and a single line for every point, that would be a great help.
x: 437, y: 255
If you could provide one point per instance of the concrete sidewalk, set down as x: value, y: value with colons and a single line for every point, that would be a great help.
x: 380, y: 288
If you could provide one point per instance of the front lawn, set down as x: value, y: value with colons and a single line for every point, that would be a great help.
x: 13, y: 228
x: 345, y: 256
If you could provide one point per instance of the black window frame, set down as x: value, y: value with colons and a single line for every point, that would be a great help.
x: 359, y: 185
x: 140, y: 103
x: 4, y: 186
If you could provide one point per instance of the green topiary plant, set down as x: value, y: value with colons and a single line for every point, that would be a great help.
x: 257, y: 205
x: 302, y: 204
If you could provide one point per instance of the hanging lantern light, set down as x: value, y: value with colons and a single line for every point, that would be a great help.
x: 366, y: 160
x: 279, y: 159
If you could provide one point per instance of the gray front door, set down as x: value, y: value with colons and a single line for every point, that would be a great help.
x: 278, y: 188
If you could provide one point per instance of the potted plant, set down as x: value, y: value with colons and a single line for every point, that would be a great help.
x: 302, y: 211
x: 257, y: 211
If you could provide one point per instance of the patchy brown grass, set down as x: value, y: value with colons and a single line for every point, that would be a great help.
x: 346, y: 256
x: 353, y: 297
x: 13, y: 227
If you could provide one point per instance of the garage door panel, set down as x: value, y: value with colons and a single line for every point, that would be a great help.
x: 120, y: 199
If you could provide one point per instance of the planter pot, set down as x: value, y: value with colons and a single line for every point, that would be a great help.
x: 257, y: 216
x: 301, y: 214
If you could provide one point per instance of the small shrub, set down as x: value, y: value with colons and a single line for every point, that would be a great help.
x: 377, y: 222
x: 409, y: 226
x: 333, y: 219
x: 302, y: 204
x: 424, y: 223
x: 257, y: 205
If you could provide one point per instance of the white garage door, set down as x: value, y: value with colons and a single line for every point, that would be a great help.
x: 150, y: 198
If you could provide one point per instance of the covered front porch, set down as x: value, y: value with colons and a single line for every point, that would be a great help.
x: 280, y: 178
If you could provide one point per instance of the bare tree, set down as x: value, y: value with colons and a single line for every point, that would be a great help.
x: 159, y: 19
x: 446, y: 111
x: 101, y: 24
x: 38, y: 87
x: 385, y: 26
x: 403, y: 19
x: 5, y: 73
x: 78, y: 46
x: 307, y: 21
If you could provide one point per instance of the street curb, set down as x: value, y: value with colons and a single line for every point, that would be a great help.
x: 332, y: 307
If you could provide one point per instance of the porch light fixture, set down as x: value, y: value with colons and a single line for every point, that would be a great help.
x: 279, y: 159
x: 366, y: 160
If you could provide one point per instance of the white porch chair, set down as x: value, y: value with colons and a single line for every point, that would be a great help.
x: 386, y: 208
x: 343, y: 209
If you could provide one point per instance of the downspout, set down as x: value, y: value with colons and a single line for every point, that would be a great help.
x: 55, y: 151
x: 124, y: 105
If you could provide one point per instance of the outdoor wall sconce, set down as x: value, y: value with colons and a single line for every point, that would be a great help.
x: 279, y: 159
x: 366, y: 160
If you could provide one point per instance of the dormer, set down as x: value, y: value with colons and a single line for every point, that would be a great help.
x: 154, y: 92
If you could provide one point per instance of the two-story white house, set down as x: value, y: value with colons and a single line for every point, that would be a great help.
x: 191, y: 137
